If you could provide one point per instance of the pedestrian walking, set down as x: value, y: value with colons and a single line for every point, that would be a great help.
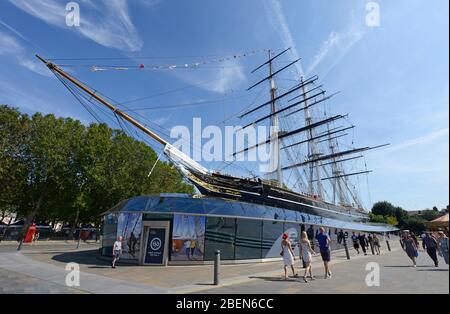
x: 443, y: 246
x: 193, y: 247
x: 362, y: 241
x: 324, y: 243
x: 376, y: 244
x: 416, y: 241
x: 288, y: 255
x: 411, y: 248
x: 306, y: 252
x: 341, y: 236
x: 187, y: 248
x: 117, y: 251
x: 355, y: 242
x: 430, y: 244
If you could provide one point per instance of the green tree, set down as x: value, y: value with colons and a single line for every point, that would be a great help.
x: 55, y: 169
x: 414, y: 224
x: 377, y: 218
x: 429, y: 215
x: 384, y: 208
x: 391, y: 220
x: 13, y: 139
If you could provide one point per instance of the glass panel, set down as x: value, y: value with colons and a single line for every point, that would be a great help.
x: 294, y: 236
x: 271, y: 242
x: 248, y: 239
x: 311, y: 232
x: 156, y: 216
x: 219, y: 235
x: 129, y: 226
x: 188, y: 238
x: 136, y: 204
x: 109, y: 234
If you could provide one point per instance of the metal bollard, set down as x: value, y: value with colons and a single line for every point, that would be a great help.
x: 217, y: 267
x: 79, y: 239
x: 388, y: 245
x: 346, y: 249
x: 19, y: 248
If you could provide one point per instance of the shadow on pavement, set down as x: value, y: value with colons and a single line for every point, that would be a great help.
x: 434, y: 269
x: 87, y: 257
x: 280, y: 279
x: 404, y: 266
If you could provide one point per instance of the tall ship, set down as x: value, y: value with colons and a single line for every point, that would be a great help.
x: 310, y: 152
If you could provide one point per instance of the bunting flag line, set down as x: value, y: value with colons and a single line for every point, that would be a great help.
x: 195, y: 65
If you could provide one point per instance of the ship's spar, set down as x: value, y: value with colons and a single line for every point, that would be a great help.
x: 169, y: 150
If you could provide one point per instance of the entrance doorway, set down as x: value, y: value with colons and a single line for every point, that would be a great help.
x: 155, y: 243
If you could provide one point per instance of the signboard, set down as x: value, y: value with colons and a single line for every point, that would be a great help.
x: 154, y: 253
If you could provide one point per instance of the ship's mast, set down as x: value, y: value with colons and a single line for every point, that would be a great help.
x: 275, y: 126
x: 336, y: 172
x: 312, y: 150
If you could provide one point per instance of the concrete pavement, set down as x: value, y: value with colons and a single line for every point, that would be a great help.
x: 397, y: 275
x: 41, y: 269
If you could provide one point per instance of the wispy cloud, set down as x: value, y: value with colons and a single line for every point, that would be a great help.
x: 334, y: 48
x: 12, y: 48
x: 227, y: 79
x: 9, y: 45
x: 278, y: 21
x: 222, y: 81
x: 162, y: 120
x: 107, y: 22
x: 425, y: 139
x: 16, y: 96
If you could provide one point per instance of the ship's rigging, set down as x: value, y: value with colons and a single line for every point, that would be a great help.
x: 310, y: 151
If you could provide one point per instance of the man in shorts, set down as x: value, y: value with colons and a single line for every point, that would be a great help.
x: 324, y: 243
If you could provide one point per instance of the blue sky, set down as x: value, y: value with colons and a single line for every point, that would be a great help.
x: 393, y: 78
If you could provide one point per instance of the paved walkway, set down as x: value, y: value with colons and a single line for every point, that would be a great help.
x: 41, y: 269
x: 397, y: 275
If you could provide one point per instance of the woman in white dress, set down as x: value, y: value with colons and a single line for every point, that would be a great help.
x: 288, y: 255
x: 306, y: 252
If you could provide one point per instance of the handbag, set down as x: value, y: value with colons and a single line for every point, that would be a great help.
x: 416, y: 253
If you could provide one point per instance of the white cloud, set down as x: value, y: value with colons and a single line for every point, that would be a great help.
x: 13, y: 49
x: 334, y: 48
x: 420, y: 140
x: 162, y: 120
x: 34, y: 66
x: 279, y: 23
x: 221, y: 81
x: 9, y: 45
x: 228, y: 78
x: 107, y: 22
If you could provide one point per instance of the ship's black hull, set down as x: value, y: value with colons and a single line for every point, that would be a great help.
x: 250, y: 191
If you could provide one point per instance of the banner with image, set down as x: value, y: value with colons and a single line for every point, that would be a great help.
x: 129, y: 227
x: 188, y: 238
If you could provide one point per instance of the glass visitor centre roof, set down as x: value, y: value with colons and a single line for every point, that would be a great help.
x: 193, y: 205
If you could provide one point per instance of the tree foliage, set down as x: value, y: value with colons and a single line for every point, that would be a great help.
x: 57, y: 169
x: 386, y: 212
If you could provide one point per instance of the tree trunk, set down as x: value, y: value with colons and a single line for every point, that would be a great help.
x: 30, y: 217
x: 29, y: 220
x: 74, y: 224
